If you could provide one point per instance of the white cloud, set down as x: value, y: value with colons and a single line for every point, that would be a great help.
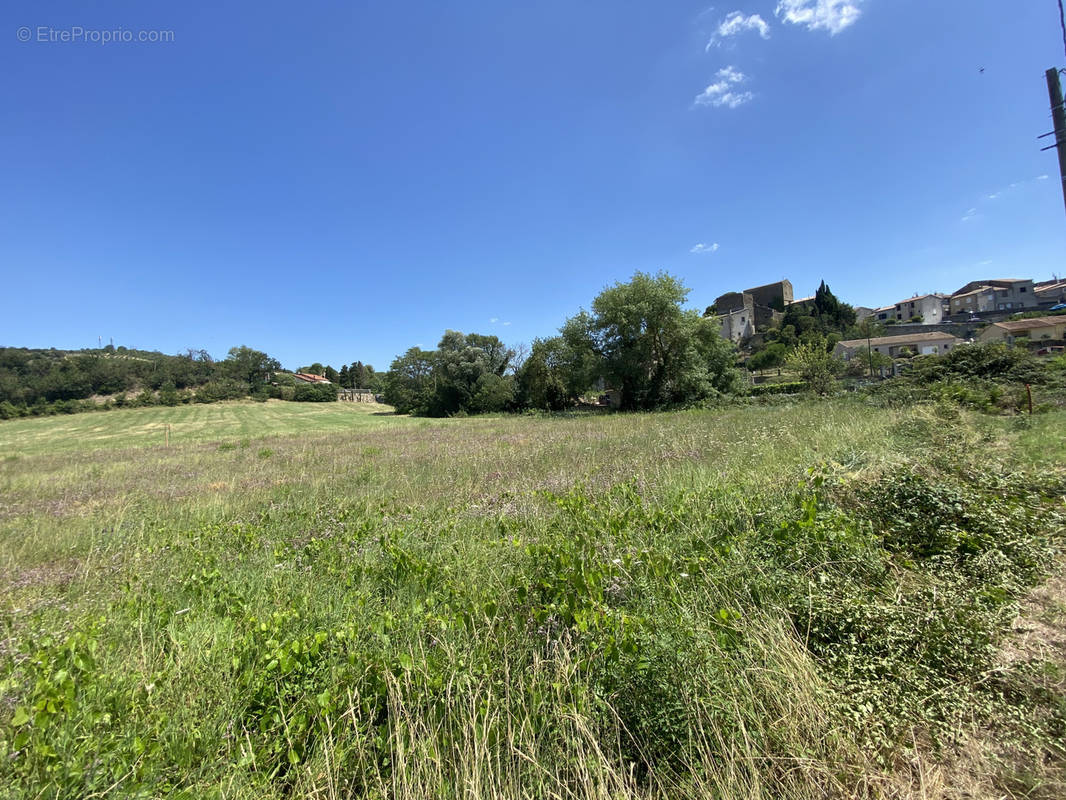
x: 1014, y: 186
x: 494, y: 319
x: 969, y: 215
x: 705, y: 248
x: 721, y: 92
x: 506, y: 323
x: 736, y: 23
x: 830, y: 15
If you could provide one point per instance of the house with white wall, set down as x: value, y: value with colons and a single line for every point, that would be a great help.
x: 933, y: 343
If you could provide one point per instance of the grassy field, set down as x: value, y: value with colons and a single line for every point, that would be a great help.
x: 216, y: 422
x: 793, y: 600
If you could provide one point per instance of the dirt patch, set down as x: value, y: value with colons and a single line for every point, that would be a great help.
x: 1039, y: 632
x: 54, y: 574
x: 984, y: 766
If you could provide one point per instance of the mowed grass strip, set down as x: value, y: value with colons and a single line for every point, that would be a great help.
x: 146, y: 427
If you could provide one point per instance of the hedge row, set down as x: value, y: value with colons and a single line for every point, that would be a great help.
x: 793, y: 387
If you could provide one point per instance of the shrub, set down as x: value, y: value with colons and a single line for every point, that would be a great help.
x: 772, y: 356
x: 223, y: 389
x: 816, y: 366
x: 315, y: 393
x: 791, y: 387
x: 991, y: 361
x: 11, y: 411
x: 168, y: 395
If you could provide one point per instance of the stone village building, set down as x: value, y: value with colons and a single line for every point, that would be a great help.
x: 743, y: 314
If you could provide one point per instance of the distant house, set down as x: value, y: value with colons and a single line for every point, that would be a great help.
x: 1036, y: 329
x: 862, y: 312
x: 1050, y: 293
x: 308, y: 377
x: 897, y: 346
x: 994, y: 294
x: 884, y: 314
x: 736, y: 315
x: 931, y: 308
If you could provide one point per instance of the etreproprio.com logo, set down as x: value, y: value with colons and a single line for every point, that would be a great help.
x: 77, y: 34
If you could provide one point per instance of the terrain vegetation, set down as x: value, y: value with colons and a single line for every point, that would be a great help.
x: 803, y: 598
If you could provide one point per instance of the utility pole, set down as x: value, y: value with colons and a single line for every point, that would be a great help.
x: 1058, y: 114
x: 867, y: 327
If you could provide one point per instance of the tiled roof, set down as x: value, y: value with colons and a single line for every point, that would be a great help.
x: 978, y: 290
x: 1031, y: 324
x: 902, y: 340
x: 1049, y: 287
x: 937, y: 295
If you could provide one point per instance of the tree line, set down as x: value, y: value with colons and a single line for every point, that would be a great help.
x: 637, y: 342
x: 37, y: 381
x: 48, y: 381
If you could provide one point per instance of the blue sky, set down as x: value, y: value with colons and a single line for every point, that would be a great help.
x: 340, y: 181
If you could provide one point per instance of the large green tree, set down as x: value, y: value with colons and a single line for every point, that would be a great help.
x: 250, y: 366
x: 467, y: 373
x: 554, y: 375
x: 409, y: 381
x: 470, y: 374
x: 361, y: 376
x: 645, y: 344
